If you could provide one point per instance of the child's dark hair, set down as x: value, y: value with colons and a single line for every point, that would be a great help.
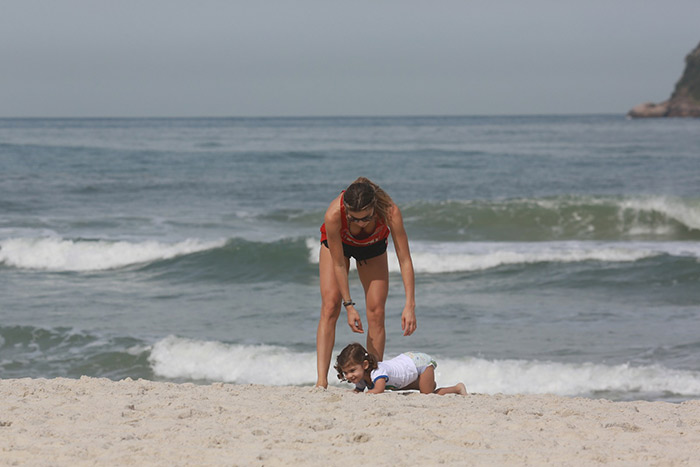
x: 353, y: 353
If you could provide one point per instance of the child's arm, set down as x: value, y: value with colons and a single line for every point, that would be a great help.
x: 379, y: 386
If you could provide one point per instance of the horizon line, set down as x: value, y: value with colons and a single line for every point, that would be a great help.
x: 211, y: 117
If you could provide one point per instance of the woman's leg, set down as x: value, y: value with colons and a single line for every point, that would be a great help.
x: 330, y: 310
x: 374, y: 275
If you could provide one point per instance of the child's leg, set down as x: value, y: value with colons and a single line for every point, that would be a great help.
x: 458, y: 388
x: 426, y: 384
x: 426, y: 381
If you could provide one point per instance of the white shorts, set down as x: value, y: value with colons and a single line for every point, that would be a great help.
x: 421, y: 360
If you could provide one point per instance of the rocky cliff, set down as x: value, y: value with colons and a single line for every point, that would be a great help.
x: 685, y: 99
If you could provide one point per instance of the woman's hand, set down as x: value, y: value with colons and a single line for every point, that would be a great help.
x: 408, y: 320
x: 354, y: 320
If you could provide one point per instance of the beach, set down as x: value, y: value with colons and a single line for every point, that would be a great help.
x: 97, y: 421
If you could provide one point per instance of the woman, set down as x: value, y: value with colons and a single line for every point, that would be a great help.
x: 357, y: 224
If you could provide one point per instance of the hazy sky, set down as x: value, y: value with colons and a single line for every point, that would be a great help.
x: 396, y: 57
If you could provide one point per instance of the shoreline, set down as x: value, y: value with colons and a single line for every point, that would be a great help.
x: 99, y: 421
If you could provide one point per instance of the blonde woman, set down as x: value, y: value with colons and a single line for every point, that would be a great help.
x: 357, y: 225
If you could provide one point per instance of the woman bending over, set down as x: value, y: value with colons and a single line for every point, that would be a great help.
x: 357, y: 225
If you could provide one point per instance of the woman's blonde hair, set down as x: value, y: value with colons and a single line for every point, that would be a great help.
x: 364, y: 194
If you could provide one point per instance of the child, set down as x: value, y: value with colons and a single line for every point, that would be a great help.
x: 410, y: 370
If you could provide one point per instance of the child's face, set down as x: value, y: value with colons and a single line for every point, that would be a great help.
x: 355, y: 372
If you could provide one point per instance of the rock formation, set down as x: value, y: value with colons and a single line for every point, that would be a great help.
x: 685, y: 100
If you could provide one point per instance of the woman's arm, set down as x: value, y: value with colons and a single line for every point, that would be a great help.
x: 403, y: 252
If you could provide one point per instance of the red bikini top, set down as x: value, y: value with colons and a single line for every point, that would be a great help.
x: 381, y: 231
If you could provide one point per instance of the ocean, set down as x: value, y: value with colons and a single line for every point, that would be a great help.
x: 553, y: 254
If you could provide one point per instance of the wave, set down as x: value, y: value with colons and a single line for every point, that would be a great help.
x: 243, y: 261
x: 236, y: 259
x: 58, y: 254
x: 435, y: 258
x: 449, y: 257
x: 622, y: 381
x: 296, y: 259
x: 28, y: 351
x: 35, y: 352
x: 181, y: 358
x: 557, y: 218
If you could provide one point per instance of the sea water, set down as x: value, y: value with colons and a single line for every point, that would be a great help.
x: 553, y: 254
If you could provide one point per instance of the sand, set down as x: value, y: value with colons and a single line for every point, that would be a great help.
x: 101, y: 422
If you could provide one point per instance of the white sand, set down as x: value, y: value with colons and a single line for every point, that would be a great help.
x: 101, y: 422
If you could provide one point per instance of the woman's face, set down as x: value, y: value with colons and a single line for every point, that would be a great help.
x: 361, y: 217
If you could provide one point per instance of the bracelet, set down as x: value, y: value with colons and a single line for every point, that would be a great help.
x: 348, y: 303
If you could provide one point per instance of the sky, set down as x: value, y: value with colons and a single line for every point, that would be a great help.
x: 199, y: 58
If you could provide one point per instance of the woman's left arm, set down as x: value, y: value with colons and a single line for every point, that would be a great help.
x: 400, y: 238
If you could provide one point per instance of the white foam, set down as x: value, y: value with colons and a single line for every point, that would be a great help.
x: 57, y: 254
x: 435, y: 257
x: 481, y: 256
x: 175, y: 357
x: 684, y: 212
x: 566, y: 379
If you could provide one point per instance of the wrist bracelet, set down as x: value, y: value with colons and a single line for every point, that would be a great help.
x: 348, y: 303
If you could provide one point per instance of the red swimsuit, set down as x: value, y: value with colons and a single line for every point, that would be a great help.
x: 360, y: 248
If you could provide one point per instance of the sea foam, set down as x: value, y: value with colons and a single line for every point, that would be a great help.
x: 569, y: 379
x: 446, y: 257
x: 685, y: 212
x: 58, y: 254
x: 177, y: 357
